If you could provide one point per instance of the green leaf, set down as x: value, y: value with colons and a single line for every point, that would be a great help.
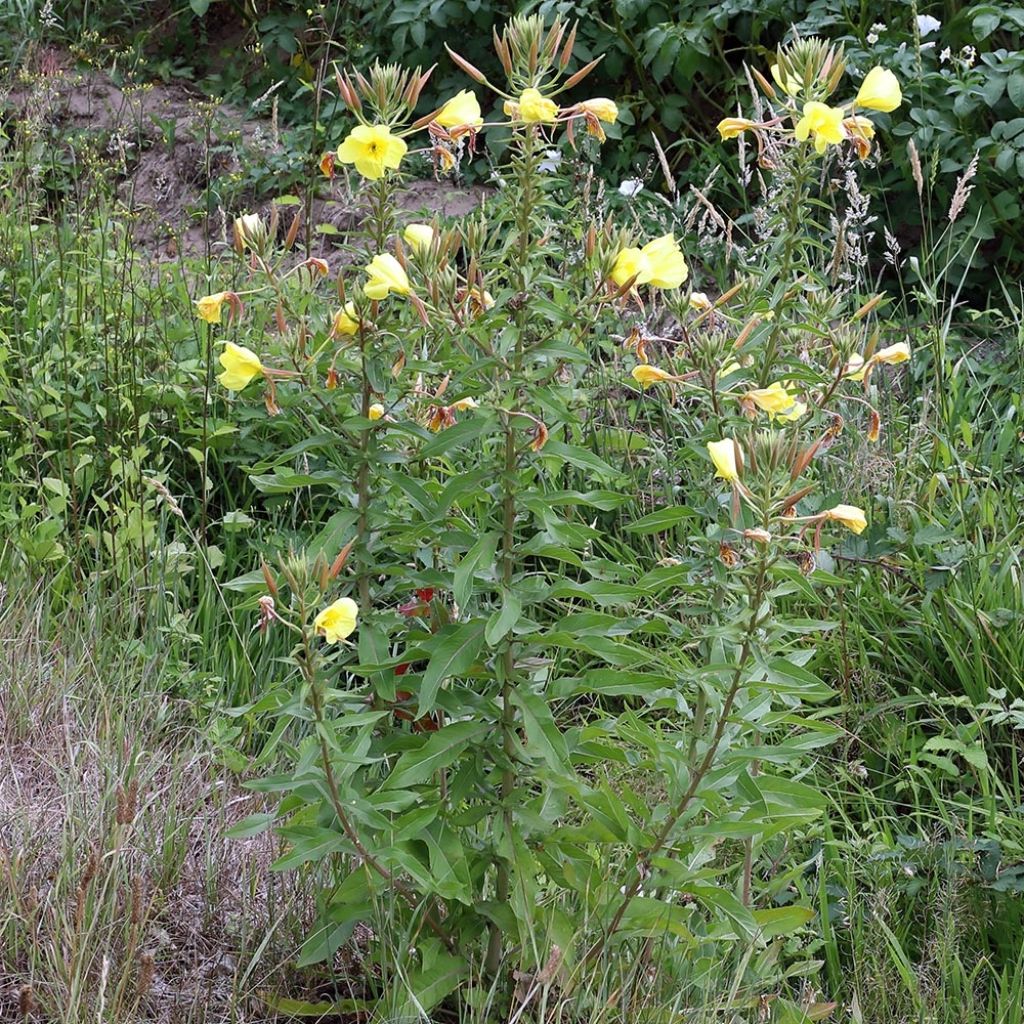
x: 481, y: 554
x: 455, y: 650
x: 581, y: 458
x: 661, y: 519
x: 543, y: 737
x: 500, y: 624
x: 253, y: 825
x: 781, y: 920
x: 439, y: 750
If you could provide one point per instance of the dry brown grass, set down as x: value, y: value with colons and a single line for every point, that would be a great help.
x: 120, y: 897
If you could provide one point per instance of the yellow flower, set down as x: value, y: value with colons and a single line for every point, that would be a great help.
x: 337, y: 620
x: 208, y: 308
x: 730, y: 127
x: 791, y: 86
x: 855, y: 368
x: 373, y: 149
x: 603, y: 109
x: 240, y: 366
x: 774, y: 399
x: 794, y: 413
x: 465, y: 403
x: 849, y: 515
x: 668, y: 267
x: 699, y: 302
x: 346, y: 321
x: 880, y: 90
x: 461, y: 109
x: 630, y: 263
x: 419, y: 236
x: 825, y: 123
x: 729, y: 368
x: 537, y: 109
x: 386, y: 275
x: 898, y: 353
x: 646, y: 375
x: 723, y: 455
x: 376, y: 411
x: 659, y: 263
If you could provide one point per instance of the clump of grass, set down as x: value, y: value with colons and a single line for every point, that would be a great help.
x: 120, y: 894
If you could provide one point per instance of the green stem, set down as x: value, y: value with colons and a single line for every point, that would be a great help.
x: 646, y: 856
x: 794, y: 219
x: 526, y: 170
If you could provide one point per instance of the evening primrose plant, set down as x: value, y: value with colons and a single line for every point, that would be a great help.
x: 467, y: 661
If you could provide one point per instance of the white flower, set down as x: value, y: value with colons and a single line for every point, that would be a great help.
x: 631, y: 187
x: 879, y: 26
x: 872, y: 38
x: 928, y: 46
x: 926, y: 23
x: 945, y: 55
x: 552, y: 158
x: 969, y: 55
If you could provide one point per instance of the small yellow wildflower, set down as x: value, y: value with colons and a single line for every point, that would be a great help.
x: 209, y: 307
x: 240, y: 364
x: 346, y: 321
x: 645, y: 375
x: 898, y: 353
x: 386, y: 275
x: 825, y: 123
x: 603, y: 109
x: 700, y: 302
x: 373, y: 150
x: 659, y: 263
x: 376, y: 411
x: 792, y: 414
x: 849, y: 515
x: 730, y: 127
x: 880, y: 90
x: 537, y: 109
x: 774, y: 399
x: 419, y: 236
x: 337, y: 620
x: 465, y: 403
x: 791, y: 86
x: 463, y: 109
x: 723, y: 455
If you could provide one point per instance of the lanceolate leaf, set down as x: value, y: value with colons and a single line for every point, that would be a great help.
x: 455, y: 652
x: 438, y: 751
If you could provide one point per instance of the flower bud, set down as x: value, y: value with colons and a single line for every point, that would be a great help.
x: 250, y: 232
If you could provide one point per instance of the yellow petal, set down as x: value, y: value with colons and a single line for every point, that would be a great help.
x: 462, y: 109
x: 645, y: 375
x: 240, y: 364
x: 880, y: 90
x: 537, y: 109
x: 667, y: 263
x: 419, y: 236
x: 849, y: 515
x: 209, y: 307
x: 385, y: 275
x: 723, y: 455
x: 337, y: 620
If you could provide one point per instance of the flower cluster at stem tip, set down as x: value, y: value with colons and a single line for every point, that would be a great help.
x: 806, y: 77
